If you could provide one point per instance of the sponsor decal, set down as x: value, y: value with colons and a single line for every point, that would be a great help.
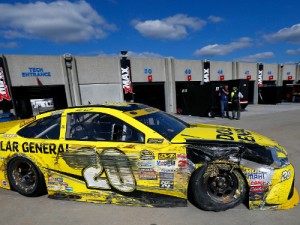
x: 257, y: 175
x: 45, y: 148
x: 10, y: 135
x: 260, y: 75
x: 182, y: 160
x: 145, y: 169
x: 166, y: 156
x: 226, y: 133
x: 167, y: 170
x: 244, y: 135
x: 285, y: 175
x: 36, y: 72
x: 166, y: 184
x: 4, y: 93
x: 206, y: 75
x: 54, y: 187
x: 146, y: 155
x: 259, y: 188
x: 31, y: 147
x: 4, y: 183
x: 206, y: 72
x: 84, y: 110
x: 58, y: 112
x: 166, y: 176
x: 147, y: 175
x: 145, y: 164
x: 260, y: 78
x: 258, y: 183
x: 126, y: 79
x: 256, y: 196
x: 69, y: 189
x: 12, y: 147
x: 149, y: 110
x: 166, y: 163
x: 25, y: 122
x: 155, y: 141
x: 127, y: 85
x: 59, y: 180
x: 64, y: 184
x: 62, y: 188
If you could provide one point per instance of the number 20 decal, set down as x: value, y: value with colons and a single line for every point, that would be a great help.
x: 285, y: 175
x: 119, y: 174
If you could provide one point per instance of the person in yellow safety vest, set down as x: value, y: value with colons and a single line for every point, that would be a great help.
x: 235, y: 100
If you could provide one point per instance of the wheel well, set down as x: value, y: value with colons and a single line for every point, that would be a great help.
x: 236, y: 168
x: 31, y: 161
x: 213, y: 186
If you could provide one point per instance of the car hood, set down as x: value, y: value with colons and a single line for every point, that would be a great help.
x: 205, y: 132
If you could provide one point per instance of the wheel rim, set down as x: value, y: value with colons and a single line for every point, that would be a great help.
x: 223, y: 187
x: 24, y: 176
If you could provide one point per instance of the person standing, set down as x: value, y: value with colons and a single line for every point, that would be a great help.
x: 236, y: 95
x: 224, y: 94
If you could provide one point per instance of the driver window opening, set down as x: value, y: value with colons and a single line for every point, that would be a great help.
x: 45, y: 128
x: 100, y: 127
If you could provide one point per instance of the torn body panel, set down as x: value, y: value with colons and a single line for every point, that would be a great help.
x: 145, y: 177
x: 269, y: 178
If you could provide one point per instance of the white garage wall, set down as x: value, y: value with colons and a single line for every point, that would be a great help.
x: 100, y: 93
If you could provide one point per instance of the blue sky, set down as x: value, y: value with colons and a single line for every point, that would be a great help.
x: 218, y: 30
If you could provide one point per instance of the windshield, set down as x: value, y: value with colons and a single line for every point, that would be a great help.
x: 166, y: 125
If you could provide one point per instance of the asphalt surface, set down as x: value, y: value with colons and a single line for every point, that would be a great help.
x: 280, y: 122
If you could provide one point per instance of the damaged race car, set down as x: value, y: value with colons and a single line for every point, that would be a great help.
x: 133, y: 154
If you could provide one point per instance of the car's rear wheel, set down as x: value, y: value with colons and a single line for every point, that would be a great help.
x: 217, y: 191
x: 25, y: 178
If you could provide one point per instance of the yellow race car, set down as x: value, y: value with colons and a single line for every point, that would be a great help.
x: 133, y: 154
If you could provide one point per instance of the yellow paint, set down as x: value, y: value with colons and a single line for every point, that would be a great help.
x: 64, y: 171
x: 280, y: 190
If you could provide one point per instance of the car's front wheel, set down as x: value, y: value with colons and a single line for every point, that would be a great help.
x: 25, y: 178
x: 217, y: 190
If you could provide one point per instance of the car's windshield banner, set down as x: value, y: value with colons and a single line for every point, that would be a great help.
x: 141, y: 112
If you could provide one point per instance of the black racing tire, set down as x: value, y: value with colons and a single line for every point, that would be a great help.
x: 217, y: 193
x: 25, y: 177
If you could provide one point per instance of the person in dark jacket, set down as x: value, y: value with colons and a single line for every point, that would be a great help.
x: 235, y: 100
x: 224, y: 97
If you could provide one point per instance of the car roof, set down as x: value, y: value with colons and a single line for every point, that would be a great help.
x: 124, y: 107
